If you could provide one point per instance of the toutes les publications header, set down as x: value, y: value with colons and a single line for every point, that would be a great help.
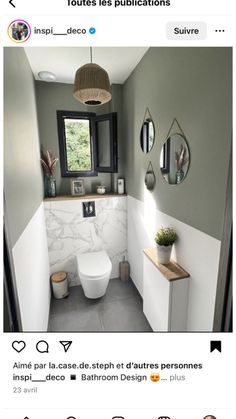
x: 119, y: 3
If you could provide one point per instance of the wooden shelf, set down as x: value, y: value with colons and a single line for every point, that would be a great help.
x: 171, y: 271
x: 83, y: 197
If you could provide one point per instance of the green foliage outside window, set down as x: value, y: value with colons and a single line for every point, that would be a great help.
x: 78, y: 144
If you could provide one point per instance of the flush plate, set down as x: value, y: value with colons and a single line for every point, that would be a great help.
x: 89, y: 209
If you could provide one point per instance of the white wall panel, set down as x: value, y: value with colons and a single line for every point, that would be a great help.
x: 195, y: 251
x: 31, y: 264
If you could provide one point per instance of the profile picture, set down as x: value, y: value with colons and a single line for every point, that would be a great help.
x: 19, y: 31
x: 209, y: 417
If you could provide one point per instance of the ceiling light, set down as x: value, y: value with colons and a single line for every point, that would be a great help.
x: 92, y: 84
x: 46, y: 76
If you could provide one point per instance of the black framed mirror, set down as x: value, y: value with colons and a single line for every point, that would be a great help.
x: 147, y: 133
x: 174, y: 159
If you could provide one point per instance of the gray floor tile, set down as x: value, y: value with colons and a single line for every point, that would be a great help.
x: 124, y: 316
x: 81, y: 320
x: 118, y: 290
x: 76, y: 297
x: 120, y: 310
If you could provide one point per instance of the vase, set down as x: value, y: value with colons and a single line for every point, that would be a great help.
x: 163, y: 254
x: 50, y: 186
x: 179, y: 176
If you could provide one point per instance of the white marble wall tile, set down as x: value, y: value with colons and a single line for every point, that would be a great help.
x: 69, y: 233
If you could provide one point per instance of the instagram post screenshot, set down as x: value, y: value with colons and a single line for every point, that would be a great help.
x: 117, y: 168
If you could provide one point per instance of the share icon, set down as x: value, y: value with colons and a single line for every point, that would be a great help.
x: 66, y: 344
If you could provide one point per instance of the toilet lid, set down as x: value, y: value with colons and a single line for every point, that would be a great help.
x: 94, y: 263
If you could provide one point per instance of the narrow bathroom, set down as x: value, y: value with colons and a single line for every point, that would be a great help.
x: 115, y: 194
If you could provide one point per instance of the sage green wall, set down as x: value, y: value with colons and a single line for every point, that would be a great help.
x: 194, y: 86
x: 59, y: 96
x: 23, y: 186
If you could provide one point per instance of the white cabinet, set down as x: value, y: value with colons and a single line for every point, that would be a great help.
x: 165, y: 294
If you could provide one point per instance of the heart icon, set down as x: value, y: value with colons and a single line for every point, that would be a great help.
x: 18, y: 345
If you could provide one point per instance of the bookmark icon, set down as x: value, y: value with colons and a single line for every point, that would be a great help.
x: 215, y: 345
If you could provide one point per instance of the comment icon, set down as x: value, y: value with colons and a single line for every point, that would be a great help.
x: 42, y: 346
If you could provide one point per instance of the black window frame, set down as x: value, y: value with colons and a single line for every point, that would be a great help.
x: 94, y: 142
x: 112, y: 118
x: 61, y: 116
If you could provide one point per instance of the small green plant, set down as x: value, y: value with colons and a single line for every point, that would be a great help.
x: 165, y: 236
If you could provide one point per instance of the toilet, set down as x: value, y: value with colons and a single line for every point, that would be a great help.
x: 94, y: 272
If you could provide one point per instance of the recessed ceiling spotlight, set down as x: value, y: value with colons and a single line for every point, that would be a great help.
x: 46, y: 76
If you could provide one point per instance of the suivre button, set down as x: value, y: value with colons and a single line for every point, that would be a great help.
x: 186, y: 30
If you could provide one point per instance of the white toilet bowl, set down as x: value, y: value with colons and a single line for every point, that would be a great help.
x: 94, y: 272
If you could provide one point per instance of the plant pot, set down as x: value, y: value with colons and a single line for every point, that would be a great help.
x: 163, y: 254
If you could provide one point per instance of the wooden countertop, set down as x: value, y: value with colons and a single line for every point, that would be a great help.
x: 83, y: 197
x: 171, y: 271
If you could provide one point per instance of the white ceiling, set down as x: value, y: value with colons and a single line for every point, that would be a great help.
x: 119, y: 62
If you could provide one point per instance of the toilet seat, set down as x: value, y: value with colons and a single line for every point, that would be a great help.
x: 94, y: 271
x: 94, y: 265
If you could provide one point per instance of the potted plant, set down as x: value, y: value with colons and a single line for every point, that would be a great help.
x: 49, y: 164
x: 165, y: 238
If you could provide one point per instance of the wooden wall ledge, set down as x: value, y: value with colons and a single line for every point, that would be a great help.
x: 171, y: 271
x: 83, y: 197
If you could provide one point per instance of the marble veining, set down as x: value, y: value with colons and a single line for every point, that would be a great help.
x: 68, y: 233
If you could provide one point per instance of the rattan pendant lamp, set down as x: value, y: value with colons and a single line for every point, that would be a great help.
x: 92, y: 84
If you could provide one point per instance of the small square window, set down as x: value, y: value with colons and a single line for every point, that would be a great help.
x: 78, y: 147
x: 76, y: 144
x: 87, y: 143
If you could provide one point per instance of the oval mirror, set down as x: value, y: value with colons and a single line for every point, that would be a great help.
x: 174, y: 159
x: 147, y: 133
